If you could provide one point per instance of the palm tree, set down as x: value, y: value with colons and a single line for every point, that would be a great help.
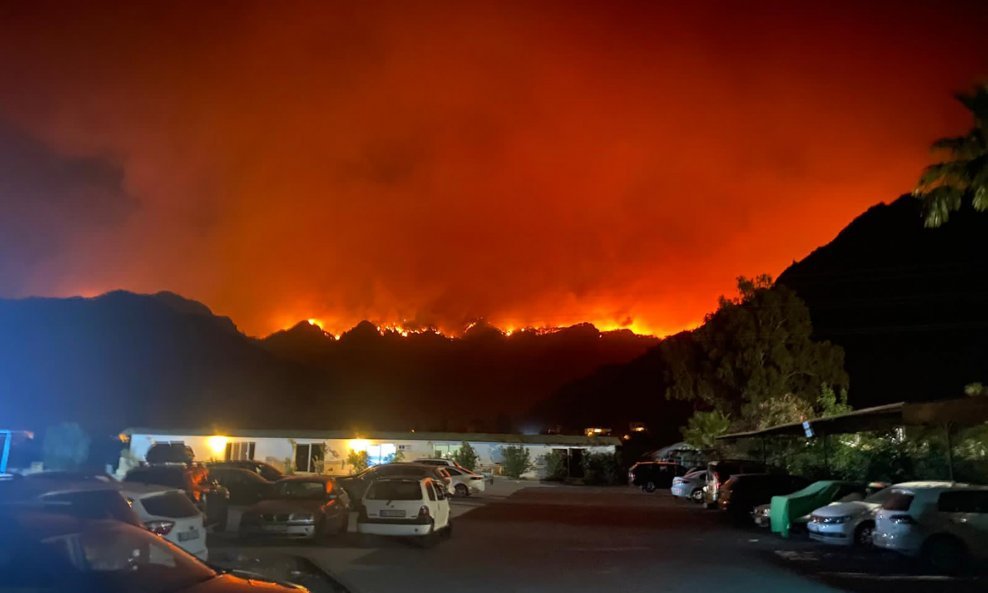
x: 945, y: 186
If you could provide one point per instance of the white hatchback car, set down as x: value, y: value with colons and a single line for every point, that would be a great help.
x: 945, y: 523
x: 405, y: 507
x: 168, y: 512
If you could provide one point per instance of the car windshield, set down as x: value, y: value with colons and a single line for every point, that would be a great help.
x: 395, y: 490
x: 299, y: 490
x: 879, y: 497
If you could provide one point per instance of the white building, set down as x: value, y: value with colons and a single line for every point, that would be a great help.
x: 314, y: 451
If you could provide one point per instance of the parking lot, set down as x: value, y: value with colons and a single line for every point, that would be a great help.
x: 527, y: 537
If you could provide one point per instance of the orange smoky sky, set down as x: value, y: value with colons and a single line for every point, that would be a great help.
x: 432, y: 163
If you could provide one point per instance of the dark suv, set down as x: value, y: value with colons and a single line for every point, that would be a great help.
x: 357, y: 485
x: 170, y: 453
x: 211, y: 498
x: 721, y: 470
x: 650, y: 475
x: 741, y: 493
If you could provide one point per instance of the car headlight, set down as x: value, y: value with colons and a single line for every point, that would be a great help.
x: 301, y: 517
x: 830, y: 520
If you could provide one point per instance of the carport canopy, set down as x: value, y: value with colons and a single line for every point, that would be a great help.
x: 947, y: 414
x: 969, y: 411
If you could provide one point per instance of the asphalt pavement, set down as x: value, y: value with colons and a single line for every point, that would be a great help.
x: 530, y: 538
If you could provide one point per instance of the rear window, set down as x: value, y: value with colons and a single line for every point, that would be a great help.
x: 393, y: 490
x: 969, y: 501
x: 169, y: 504
x: 898, y: 501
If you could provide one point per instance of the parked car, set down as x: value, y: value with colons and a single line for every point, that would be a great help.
x: 170, y: 453
x: 265, y: 470
x: 787, y: 510
x: 721, y: 470
x: 245, y: 486
x: 84, y: 500
x: 847, y: 523
x: 439, y: 461
x: 409, y: 507
x: 465, y: 482
x: 740, y: 494
x: 299, y: 507
x: 194, y: 480
x: 50, y: 552
x: 448, y: 463
x: 651, y: 475
x: 357, y: 485
x: 168, y: 512
x: 690, y: 486
x: 945, y: 523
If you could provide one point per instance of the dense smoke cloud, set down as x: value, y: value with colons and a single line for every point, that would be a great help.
x: 432, y: 163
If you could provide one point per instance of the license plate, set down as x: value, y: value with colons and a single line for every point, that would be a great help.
x: 185, y: 536
x: 276, y: 528
x: 390, y: 513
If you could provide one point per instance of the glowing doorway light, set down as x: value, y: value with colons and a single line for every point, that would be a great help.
x: 217, y: 444
x: 358, y: 445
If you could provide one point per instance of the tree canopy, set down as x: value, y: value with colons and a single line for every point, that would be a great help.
x: 963, y: 176
x: 754, y: 359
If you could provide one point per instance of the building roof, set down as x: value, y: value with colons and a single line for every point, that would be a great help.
x: 474, y: 437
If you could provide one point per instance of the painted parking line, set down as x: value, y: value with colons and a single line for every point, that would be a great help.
x: 893, y: 577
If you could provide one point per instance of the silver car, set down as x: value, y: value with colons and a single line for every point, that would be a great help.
x: 690, y: 486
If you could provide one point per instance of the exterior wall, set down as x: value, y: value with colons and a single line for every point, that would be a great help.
x: 276, y: 450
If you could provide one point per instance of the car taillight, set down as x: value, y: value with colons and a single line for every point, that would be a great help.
x: 902, y: 519
x: 423, y: 512
x: 160, y: 527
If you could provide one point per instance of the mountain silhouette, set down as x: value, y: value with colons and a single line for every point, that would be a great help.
x: 425, y: 380
x: 908, y: 304
x: 163, y: 360
x: 122, y: 359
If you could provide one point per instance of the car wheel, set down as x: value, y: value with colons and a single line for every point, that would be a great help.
x: 462, y: 490
x: 649, y: 486
x: 697, y: 495
x: 945, y: 554
x: 863, y: 533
